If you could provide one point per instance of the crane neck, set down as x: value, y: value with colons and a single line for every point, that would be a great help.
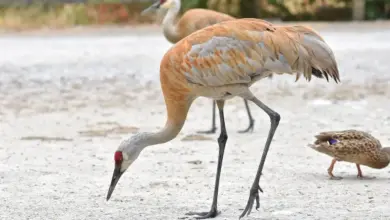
x: 169, y: 132
x: 169, y: 24
x: 177, y: 114
x: 178, y: 100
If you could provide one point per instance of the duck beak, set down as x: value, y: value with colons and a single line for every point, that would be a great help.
x: 151, y: 8
x: 115, y: 178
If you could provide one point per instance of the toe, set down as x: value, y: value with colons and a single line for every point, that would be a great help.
x: 257, y: 202
x: 335, y: 178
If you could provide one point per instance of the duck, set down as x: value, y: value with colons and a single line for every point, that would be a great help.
x: 352, y: 146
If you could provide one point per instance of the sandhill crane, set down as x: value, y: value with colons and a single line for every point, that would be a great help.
x: 191, y: 21
x: 220, y: 62
x: 352, y: 146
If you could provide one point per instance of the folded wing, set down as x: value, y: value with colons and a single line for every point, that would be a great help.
x: 245, y: 50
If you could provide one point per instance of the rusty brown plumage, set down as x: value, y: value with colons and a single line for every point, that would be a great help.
x: 352, y: 146
x: 197, y: 18
x: 264, y: 42
x: 220, y: 62
x: 223, y: 60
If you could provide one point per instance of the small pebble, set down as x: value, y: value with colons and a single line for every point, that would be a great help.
x: 196, y: 162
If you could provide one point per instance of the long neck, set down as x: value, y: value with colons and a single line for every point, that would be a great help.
x: 178, y: 100
x: 169, y: 26
x: 177, y: 114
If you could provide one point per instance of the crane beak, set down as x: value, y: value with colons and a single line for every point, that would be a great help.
x: 151, y: 8
x: 115, y: 178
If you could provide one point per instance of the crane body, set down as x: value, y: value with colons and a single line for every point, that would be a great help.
x: 220, y: 62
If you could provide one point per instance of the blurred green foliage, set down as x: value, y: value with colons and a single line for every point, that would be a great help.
x: 291, y: 9
x: 42, y: 14
x: 284, y: 9
x: 38, y: 15
x: 377, y: 9
x: 188, y: 4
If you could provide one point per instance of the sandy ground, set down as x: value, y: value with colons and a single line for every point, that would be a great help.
x: 67, y: 100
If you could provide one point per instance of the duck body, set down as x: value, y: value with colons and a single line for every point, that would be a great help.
x: 352, y: 146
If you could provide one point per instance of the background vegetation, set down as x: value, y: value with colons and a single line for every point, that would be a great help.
x: 112, y: 11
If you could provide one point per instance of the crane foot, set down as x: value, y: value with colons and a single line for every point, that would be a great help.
x: 249, y: 129
x: 204, y: 215
x: 253, y: 195
x: 211, y: 131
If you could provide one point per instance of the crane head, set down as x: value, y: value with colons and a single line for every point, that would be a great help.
x: 151, y: 8
x: 118, y: 171
x: 127, y: 152
x: 166, y: 4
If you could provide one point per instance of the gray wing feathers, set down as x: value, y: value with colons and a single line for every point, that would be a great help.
x: 258, y: 59
x: 320, y: 53
x: 215, y: 78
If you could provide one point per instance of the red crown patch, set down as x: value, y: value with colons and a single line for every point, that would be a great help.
x: 118, y: 157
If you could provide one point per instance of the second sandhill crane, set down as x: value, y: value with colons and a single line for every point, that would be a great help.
x: 352, y: 146
x: 191, y: 21
x: 220, y: 62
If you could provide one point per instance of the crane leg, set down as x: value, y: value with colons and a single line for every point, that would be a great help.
x: 254, y: 192
x: 213, y: 127
x: 251, y: 121
x: 222, y: 143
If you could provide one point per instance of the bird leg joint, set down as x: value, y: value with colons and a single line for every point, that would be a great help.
x: 222, y: 139
x: 275, y: 117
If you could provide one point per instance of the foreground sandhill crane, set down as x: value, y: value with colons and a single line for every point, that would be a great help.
x: 191, y: 21
x: 220, y: 62
x: 352, y: 146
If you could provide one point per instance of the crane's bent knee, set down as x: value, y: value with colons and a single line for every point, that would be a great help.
x: 223, y: 138
x: 275, y: 117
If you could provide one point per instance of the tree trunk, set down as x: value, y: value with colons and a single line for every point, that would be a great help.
x: 358, y: 9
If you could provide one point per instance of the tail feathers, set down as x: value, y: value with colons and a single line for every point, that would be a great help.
x: 319, y: 74
x: 326, y: 73
x: 321, y: 58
